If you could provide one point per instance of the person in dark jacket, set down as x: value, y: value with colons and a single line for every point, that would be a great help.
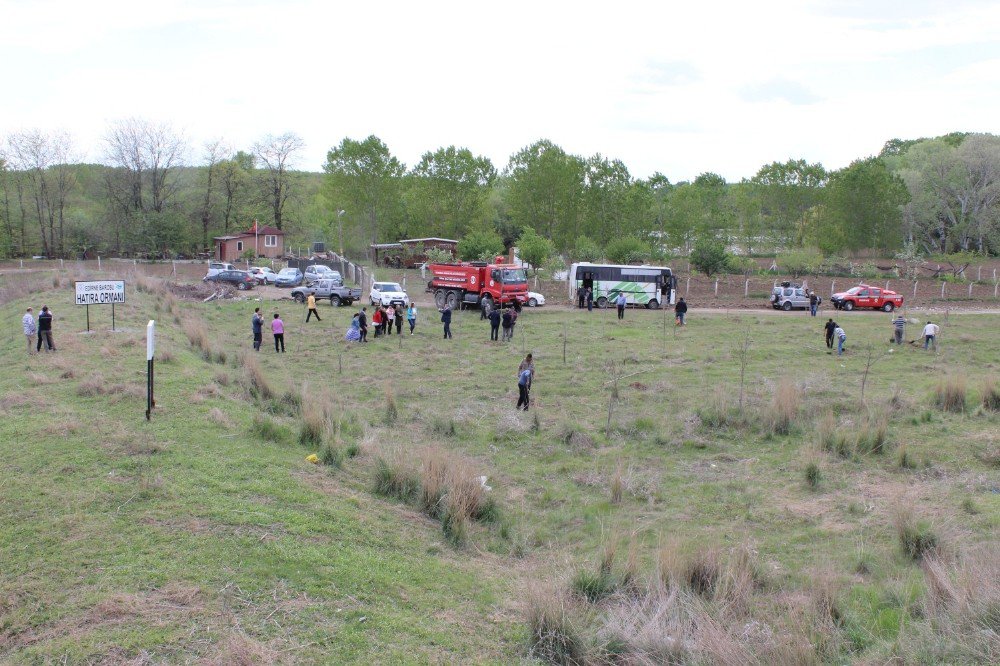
x: 257, y: 324
x: 399, y: 318
x: 446, y: 320
x: 590, y: 299
x: 494, y: 324
x: 45, y: 330
x: 506, y: 320
x: 679, y: 311
x: 363, y: 324
x: 829, y: 328
x: 813, y: 303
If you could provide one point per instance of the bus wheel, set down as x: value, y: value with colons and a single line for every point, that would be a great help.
x: 653, y: 304
x: 602, y: 302
x: 439, y: 298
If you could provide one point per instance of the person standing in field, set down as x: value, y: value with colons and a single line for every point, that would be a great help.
x: 590, y: 299
x: 505, y: 320
x: 898, y: 328
x: 354, y: 330
x: 446, y: 320
x: 411, y: 316
x: 527, y: 364
x: 257, y: 325
x: 813, y: 303
x: 386, y: 319
x: 377, y: 320
x: 523, y: 388
x: 841, y: 339
x: 494, y: 324
x: 45, y: 330
x: 28, y: 321
x: 930, y: 333
x: 398, y: 316
x: 582, y: 296
x: 278, y: 330
x: 680, y: 310
x: 311, y: 302
x: 829, y: 328
x: 513, y: 322
x: 620, y: 302
x: 363, y: 324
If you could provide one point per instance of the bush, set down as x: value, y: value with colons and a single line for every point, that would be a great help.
x: 709, y: 256
x: 393, y: 478
x: 593, y: 586
x: 813, y: 475
x: 627, y: 250
x: 480, y: 246
x: 949, y: 394
x: 991, y: 395
x: 553, y: 635
x: 916, y: 538
x: 586, y: 249
x: 800, y: 262
x: 266, y: 429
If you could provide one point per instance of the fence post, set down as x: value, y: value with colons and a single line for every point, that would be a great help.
x: 60, y: 262
x: 833, y: 287
x: 943, y: 285
x: 716, y: 286
x: 970, y: 289
x: 687, y: 289
x: 746, y: 289
x: 22, y: 262
x: 98, y: 262
x: 996, y: 285
x: 979, y: 274
x: 887, y: 285
x: 914, y: 289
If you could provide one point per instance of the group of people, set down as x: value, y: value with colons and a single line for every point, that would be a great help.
x: 277, y: 330
x: 834, y: 332
x: 43, y: 329
x: 505, y: 318
x: 383, y: 319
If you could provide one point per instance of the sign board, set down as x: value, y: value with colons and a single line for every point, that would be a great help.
x: 100, y: 292
x: 150, y: 339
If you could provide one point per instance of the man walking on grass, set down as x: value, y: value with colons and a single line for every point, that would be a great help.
x: 898, y: 327
x: 28, y: 321
x: 311, y: 302
x: 829, y: 328
x: 680, y: 310
x: 841, y: 339
x: 620, y: 302
x: 446, y: 320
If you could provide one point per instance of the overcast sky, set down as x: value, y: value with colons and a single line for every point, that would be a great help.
x: 676, y: 87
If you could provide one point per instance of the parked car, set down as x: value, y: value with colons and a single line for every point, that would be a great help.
x: 788, y: 296
x: 288, y: 277
x: 333, y: 290
x: 535, y: 300
x: 242, y: 280
x: 216, y: 267
x: 388, y: 293
x: 320, y: 272
x: 866, y: 296
x: 263, y: 274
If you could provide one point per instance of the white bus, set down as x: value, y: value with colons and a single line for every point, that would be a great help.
x: 649, y: 286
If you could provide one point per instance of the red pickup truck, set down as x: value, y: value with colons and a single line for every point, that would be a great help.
x: 867, y: 296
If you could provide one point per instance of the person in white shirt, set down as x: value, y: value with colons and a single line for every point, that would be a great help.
x: 29, y: 328
x: 841, y: 337
x: 930, y: 334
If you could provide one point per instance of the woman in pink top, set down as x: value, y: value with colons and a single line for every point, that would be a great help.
x: 278, y: 328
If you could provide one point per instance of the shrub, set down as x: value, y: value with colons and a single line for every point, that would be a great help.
x: 394, y: 478
x: 352, y: 450
x: 991, y: 395
x: 949, y: 395
x: 784, y: 407
x: 332, y: 456
x: 443, y: 426
x: 904, y: 458
x: 266, y: 429
x: 197, y: 335
x: 813, y: 475
x: 627, y: 250
x: 455, y: 526
x: 255, y: 380
x: 916, y: 537
x: 553, y: 635
x: 593, y: 585
x: 873, y: 435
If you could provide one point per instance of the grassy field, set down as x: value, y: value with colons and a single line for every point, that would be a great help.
x: 637, y: 514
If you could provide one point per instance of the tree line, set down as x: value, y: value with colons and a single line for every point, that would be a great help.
x: 154, y: 194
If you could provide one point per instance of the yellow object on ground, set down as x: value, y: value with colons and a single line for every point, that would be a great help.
x: 313, y: 458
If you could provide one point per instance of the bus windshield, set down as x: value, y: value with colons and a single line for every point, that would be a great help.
x: 514, y: 275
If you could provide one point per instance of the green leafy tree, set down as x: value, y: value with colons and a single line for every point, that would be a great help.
x: 709, y: 255
x: 612, y: 205
x: 480, y: 245
x: 365, y: 179
x: 865, y: 202
x: 534, y: 249
x: 627, y: 250
x: 447, y: 193
x: 800, y: 262
x: 785, y: 191
x: 586, y: 250
x: 544, y: 190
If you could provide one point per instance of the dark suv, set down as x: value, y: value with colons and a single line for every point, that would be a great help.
x: 239, y: 279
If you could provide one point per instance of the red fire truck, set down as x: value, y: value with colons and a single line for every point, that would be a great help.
x: 472, y: 282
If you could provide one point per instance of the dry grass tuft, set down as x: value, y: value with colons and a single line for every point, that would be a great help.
x: 197, y: 335
x: 990, y: 395
x: 784, y: 407
x: 315, y: 420
x: 950, y: 394
x: 554, y: 634
x: 917, y: 538
x: 617, y: 484
x: 218, y: 416
x: 254, y: 379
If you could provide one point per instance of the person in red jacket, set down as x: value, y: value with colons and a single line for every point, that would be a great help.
x: 377, y: 321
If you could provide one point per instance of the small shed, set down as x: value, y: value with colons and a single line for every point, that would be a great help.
x: 265, y: 241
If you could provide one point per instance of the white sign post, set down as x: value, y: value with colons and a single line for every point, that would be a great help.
x: 100, y: 292
x: 150, y: 351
